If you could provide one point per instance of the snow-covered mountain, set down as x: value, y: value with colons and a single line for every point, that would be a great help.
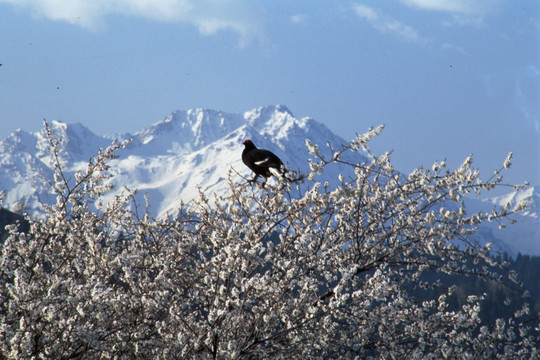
x: 524, y: 235
x: 171, y: 159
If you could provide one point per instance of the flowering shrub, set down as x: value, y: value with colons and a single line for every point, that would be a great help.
x: 259, y: 273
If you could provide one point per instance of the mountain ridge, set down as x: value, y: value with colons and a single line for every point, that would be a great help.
x: 194, y: 149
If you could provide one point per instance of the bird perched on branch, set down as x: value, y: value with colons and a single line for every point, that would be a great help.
x: 262, y: 162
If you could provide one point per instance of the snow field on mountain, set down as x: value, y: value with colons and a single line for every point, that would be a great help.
x: 196, y: 149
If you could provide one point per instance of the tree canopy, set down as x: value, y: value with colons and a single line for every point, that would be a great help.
x: 279, y: 271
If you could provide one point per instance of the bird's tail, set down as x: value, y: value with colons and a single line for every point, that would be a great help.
x: 279, y: 172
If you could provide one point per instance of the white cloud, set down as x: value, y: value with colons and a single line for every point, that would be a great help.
x: 366, y: 12
x: 459, y: 49
x: 386, y: 24
x: 527, y: 90
x: 298, y: 19
x: 209, y: 16
x: 441, y: 5
x: 479, y: 7
x: 464, y: 12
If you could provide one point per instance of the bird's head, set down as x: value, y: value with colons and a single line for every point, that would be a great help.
x: 249, y: 144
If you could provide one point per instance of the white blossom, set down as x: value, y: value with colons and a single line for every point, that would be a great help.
x: 508, y: 161
x: 277, y: 272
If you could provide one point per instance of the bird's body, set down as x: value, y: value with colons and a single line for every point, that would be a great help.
x: 260, y: 161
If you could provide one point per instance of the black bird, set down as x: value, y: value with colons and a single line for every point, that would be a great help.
x: 261, y: 161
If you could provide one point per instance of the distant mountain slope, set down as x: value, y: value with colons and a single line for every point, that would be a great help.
x: 171, y: 159
x: 524, y: 235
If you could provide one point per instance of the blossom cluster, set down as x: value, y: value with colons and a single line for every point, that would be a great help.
x: 279, y: 271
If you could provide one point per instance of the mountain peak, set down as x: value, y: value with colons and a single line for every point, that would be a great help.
x: 76, y: 142
x: 208, y: 126
x: 273, y: 121
x: 18, y: 141
x: 184, y: 131
x: 192, y: 150
x: 530, y: 194
x: 264, y: 113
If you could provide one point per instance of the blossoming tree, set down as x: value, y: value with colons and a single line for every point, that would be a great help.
x: 259, y: 273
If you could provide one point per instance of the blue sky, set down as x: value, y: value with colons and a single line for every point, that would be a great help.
x: 447, y: 77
